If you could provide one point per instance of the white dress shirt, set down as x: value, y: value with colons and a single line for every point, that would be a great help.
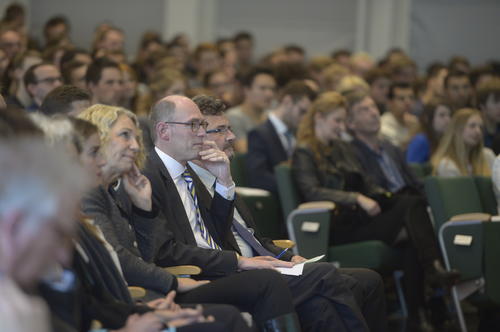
x: 175, y: 169
x: 208, y: 180
x: 282, y: 130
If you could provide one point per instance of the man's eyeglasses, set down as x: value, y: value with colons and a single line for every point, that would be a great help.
x: 50, y: 80
x: 195, y: 125
x: 219, y: 130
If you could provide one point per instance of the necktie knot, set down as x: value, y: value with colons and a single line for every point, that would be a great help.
x: 186, y: 175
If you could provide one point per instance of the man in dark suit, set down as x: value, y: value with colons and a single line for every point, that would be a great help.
x: 273, y: 141
x: 381, y: 160
x: 335, y: 308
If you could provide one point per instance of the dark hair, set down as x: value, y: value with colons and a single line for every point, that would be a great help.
x: 243, y: 35
x: 375, y: 73
x: 398, y: 85
x: 14, y: 122
x: 68, y: 68
x: 454, y: 73
x: 54, y: 21
x: 209, y: 105
x: 247, y: 80
x: 487, y: 89
x: 426, y: 121
x: 83, y: 129
x: 434, y: 68
x: 353, y: 97
x: 457, y: 60
x: 285, y: 72
x: 341, y: 52
x: 13, y: 11
x: 297, y: 89
x: 291, y: 48
x: 59, y: 100
x: 477, y: 72
x: 70, y: 55
x: 29, y: 75
x: 94, y: 71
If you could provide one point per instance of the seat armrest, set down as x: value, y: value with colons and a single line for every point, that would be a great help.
x: 479, y: 216
x: 183, y: 270
x: 136, y: 292
x: 284, y: 244
x: 327, y: 205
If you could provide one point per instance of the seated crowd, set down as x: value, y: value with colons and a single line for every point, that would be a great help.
x: 114, y: 170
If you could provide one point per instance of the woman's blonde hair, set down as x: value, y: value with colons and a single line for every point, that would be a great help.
x: 326, y: 103
x: 104, y: 117
x: 453, y: 147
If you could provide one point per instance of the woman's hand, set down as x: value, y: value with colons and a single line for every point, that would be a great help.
x: 138, y: 188
x: 369, y: 205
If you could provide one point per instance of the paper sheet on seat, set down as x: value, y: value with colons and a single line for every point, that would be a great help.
x: 296, y: 270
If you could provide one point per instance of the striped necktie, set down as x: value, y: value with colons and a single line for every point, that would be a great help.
x: 186, y: 175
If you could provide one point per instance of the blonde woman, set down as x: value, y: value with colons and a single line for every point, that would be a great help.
x: 461, y: 151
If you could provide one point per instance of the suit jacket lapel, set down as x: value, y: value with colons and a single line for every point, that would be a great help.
x: 275, y: 143
x: 171, y: 201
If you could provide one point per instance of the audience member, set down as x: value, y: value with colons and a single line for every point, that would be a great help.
x: 379, y: 82
x: 259, y: 88
x: 197, y: 219
x: 382, y: 161
x: 36, y: 225
x: 398, y: 123
x: 274, y: 141
x: 325, y: 168
x: 458, y: 90
x: 104, y: 81
x: 244, y: 45
x: 40, y: 80
x: 488, y: 101
x: 73, y: 73
x: 66, y: 99
x: 11, y: 43
x: 433, y: 122
x: 56, y: 29
x: 219, y: 131
x: 122, y: 206
x: 461, y: 150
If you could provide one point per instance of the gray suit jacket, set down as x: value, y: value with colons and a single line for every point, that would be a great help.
x: 120, y: 221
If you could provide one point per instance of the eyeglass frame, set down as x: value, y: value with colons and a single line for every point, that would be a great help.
x: 50, y: 80
x: 219, y: 130
x: 195, y: 126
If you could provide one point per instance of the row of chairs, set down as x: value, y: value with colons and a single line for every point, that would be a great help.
x: 461, y: 209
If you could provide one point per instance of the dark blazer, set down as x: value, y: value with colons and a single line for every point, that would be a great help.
x: 119, y: 220
x: 265, y: 151
x: 368, y: 161
x: 339, y: 178
x: 176, y: 241
x: 230, y: 241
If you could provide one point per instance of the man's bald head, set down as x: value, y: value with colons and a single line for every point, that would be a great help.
x: 166, y: 109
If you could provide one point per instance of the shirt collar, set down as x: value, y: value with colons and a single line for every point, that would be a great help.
x: 207, y: 178
x: 278, y: 124
x: 174, y: 168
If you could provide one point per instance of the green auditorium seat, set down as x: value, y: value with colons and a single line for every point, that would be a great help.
x: 238, y: 169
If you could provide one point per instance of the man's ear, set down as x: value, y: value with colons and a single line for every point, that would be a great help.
x: 162, y: 132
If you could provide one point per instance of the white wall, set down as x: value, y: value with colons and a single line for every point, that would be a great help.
x: 429, y: 29
x: 442, y: 28
x: 319, y: 25
x: 133, y: 16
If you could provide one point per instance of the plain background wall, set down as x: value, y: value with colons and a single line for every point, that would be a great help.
x: 437, y: 28
x: 442, y: 28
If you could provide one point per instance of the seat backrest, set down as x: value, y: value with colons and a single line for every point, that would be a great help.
x: 486, y: 195
x: 491, y: 266
x: 265, y: 210
x: 467, y: 258
x: 238, y: 169
x: 287, y: 189
x: 310, y: 230
x: 421, y: 170
x: 449, y: 196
